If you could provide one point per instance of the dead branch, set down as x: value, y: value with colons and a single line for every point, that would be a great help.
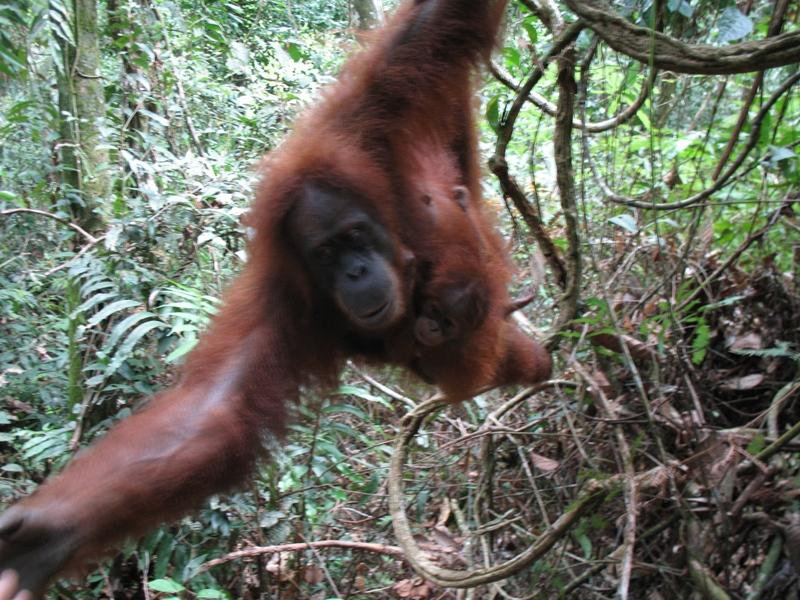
x: 533, y: 220
x: 631, y: 493
x: 594, y: 493
x: 43, y: 213
x: 736, y: 254
x: 254, y: 551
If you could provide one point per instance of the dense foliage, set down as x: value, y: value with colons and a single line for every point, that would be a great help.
x: 683, y: 347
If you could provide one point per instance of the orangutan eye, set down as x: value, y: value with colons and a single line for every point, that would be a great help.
x: 324, y: 255
x: 357, y: 237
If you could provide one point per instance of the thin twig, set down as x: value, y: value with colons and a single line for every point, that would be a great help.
x: 775, y: 26
x: 753, y: 237
x: 383, y: 388
x: 630, y: 491
x: 43, y: 213
x: 720, y: 183
x: 499, y: 166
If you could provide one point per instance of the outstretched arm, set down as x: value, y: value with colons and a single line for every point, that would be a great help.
x: 200, y: 437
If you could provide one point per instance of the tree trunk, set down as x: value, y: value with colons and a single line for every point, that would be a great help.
x: 370, y: 13
x: 84, y: 159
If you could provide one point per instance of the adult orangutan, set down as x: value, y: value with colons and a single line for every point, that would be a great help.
x: 338, y: 262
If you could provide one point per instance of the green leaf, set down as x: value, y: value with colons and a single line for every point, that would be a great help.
x: 59, y: 22
x: 95, y: 285
x: 779, y: 153
x: 756, y: 445
x: 687, y: 141
x: 702, y: 337
x: 724, y: 302
x: 155, y: 117
x: 163, y: 553
x: 209, y: 593
x: 733, y: 25
x: 642, y: 116
x: 136, y: 335
x: 91, y: 303
x: 239, y: 59
x: 166, y: 585
x: 46, y: 445
x: 626, y: 221
x: 109, y: 310
x: 585, y: 543
x: 294, y: 50
x: 125, y: 350
x: 120, y: 328
x: 270, y: 518
x: 10, y: 64
x: 765, y: 131
x: 19, y: 112
x: 780, y: 350
x: 13, y: 13
x: 345, y: 408
x: 96, y: 380
x: 530, y: 29
x: 183, y: 348
x: 359, y: 392
x: 493, y: 112
x: 192, y: 566
x: 512, y: 56
x: 680, y: 6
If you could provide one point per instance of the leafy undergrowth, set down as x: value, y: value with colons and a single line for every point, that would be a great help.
x: 682, y: 405
x: 691, y: 408
x: 684, y: 414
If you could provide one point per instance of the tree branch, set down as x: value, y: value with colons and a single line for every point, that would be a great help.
x: 775, y: 25
x: 565, y: 180
x: 43, y: 213
x: 664, y: 52
x: 299, y: 547
x: 551, y: 109
x: 720, y: 183
x: 499, y: 166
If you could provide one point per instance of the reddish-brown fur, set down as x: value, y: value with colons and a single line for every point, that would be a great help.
x: 460, y: 245
x: 459, y: 239
x: 406, y: 100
